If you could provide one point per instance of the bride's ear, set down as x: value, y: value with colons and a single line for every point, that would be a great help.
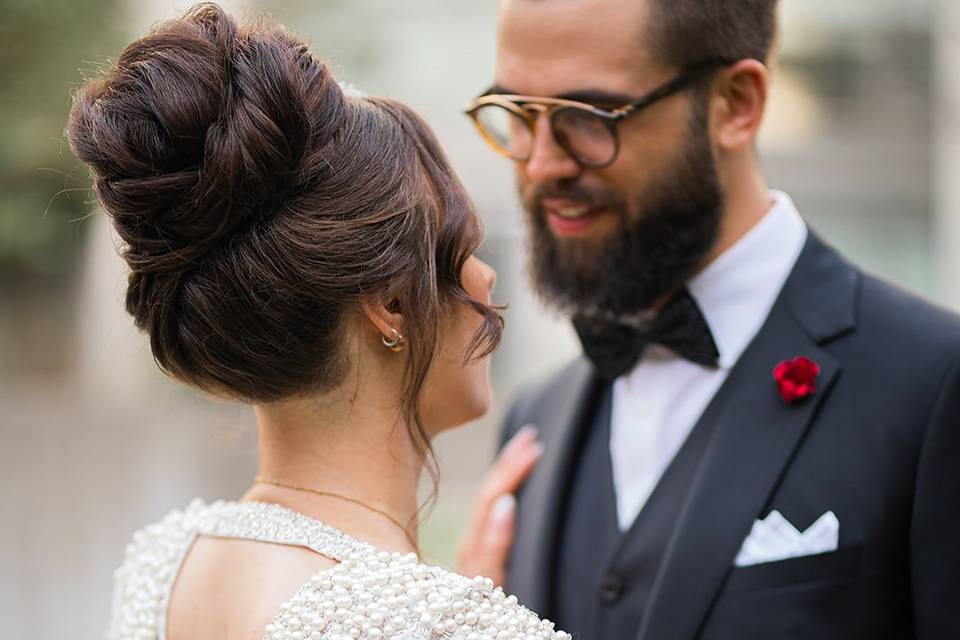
x: 385, y: 318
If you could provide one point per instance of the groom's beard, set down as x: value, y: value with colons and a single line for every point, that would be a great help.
x: 663, y: 237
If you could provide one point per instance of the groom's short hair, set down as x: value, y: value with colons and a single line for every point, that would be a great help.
x: 688, y: 32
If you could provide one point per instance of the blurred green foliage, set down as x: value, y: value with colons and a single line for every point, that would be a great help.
x: 47, y: 48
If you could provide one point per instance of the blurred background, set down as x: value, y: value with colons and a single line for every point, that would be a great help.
x: 864, y: 133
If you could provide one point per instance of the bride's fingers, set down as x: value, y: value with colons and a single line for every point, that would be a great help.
x: 485, y: 552
x: 497, y: 538
x: 513, y: 465
x: 487, y: 540
x: 509, y: 471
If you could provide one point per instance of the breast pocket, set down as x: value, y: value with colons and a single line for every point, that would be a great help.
x: 813, y: 597
x: 824, y: 567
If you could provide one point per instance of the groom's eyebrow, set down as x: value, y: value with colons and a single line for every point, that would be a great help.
x: 497, y: 89
x: 590, y: 96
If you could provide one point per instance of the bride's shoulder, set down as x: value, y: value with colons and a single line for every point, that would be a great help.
x: 394, y: 596
x: 143, y: 579
x: 171, y: 531
x: 160, y: 540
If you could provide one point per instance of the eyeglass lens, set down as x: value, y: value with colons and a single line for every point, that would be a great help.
x: 583, y: 134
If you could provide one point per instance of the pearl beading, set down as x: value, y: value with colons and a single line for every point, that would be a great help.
x: 273, y: 523
x: 143, y: 582
x: 381, y: 595
x: 369, y: 595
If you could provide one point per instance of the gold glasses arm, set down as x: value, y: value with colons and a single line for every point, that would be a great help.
x: 523, y: 105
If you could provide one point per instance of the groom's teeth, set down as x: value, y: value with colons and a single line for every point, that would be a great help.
x: 572, y: 212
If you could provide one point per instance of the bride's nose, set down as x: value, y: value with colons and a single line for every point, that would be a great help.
x: 489, y: 275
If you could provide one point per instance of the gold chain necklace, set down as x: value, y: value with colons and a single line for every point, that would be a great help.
x: 330, y: 494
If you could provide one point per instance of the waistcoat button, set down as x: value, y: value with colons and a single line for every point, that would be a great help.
x: 611, y: 589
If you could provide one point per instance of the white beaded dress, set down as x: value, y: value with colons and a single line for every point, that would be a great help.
x: 369, y: 595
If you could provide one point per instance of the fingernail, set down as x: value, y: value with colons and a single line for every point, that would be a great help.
x: 539, y: 449
x: 503, y: 507
x: 529, y: 429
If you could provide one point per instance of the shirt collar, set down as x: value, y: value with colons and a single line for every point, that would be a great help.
x: 737, y: 290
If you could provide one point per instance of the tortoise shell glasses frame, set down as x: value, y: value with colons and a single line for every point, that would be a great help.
x: 588, y: 133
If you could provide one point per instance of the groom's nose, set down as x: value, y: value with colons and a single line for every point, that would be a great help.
x: 548, y: 160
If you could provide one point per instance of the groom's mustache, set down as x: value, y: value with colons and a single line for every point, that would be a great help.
x: 596, y: 198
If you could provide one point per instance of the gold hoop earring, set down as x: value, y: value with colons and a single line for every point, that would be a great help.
x: 396, y: 344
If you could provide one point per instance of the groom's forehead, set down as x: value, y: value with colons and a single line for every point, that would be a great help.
x: 587, y: 24
x: 563, y: 45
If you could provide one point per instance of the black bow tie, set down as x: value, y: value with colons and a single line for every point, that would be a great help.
x: 615, y: 345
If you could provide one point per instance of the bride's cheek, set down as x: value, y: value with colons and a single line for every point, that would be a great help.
x: 483, y: 387
x: 473, y: 375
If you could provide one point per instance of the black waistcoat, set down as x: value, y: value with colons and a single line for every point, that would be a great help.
x: 603, y: 578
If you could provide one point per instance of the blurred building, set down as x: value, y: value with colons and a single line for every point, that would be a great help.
x: 864, y: 132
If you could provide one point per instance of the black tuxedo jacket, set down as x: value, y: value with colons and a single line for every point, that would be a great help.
x: 878, y: 444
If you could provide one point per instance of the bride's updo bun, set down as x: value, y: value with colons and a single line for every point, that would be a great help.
x: 201, y: 130
x: 257, y: 203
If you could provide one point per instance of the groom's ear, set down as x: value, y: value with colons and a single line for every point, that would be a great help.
x: 384, y: 316
x: 739, y: 103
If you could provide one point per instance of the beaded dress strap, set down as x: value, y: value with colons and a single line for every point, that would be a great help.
x: 265, y: 522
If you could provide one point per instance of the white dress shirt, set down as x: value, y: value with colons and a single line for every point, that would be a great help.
x: 657, y: 404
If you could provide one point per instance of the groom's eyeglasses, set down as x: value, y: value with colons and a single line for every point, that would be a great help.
x: 585, y: 131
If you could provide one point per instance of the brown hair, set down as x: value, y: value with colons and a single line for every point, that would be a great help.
x: 687, y: 33
x: 258, y: 204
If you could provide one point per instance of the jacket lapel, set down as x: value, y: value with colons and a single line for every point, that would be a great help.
x: 755, y: 437
x: 559, y: 417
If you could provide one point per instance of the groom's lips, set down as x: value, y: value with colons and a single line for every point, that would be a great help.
x: 569, y: 217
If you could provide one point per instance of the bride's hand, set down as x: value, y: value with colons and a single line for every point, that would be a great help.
x: 484, y: 548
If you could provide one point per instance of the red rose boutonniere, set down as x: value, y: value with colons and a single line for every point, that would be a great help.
x: 796, y: 378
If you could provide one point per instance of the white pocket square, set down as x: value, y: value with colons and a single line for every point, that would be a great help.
x: 774, y: 538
